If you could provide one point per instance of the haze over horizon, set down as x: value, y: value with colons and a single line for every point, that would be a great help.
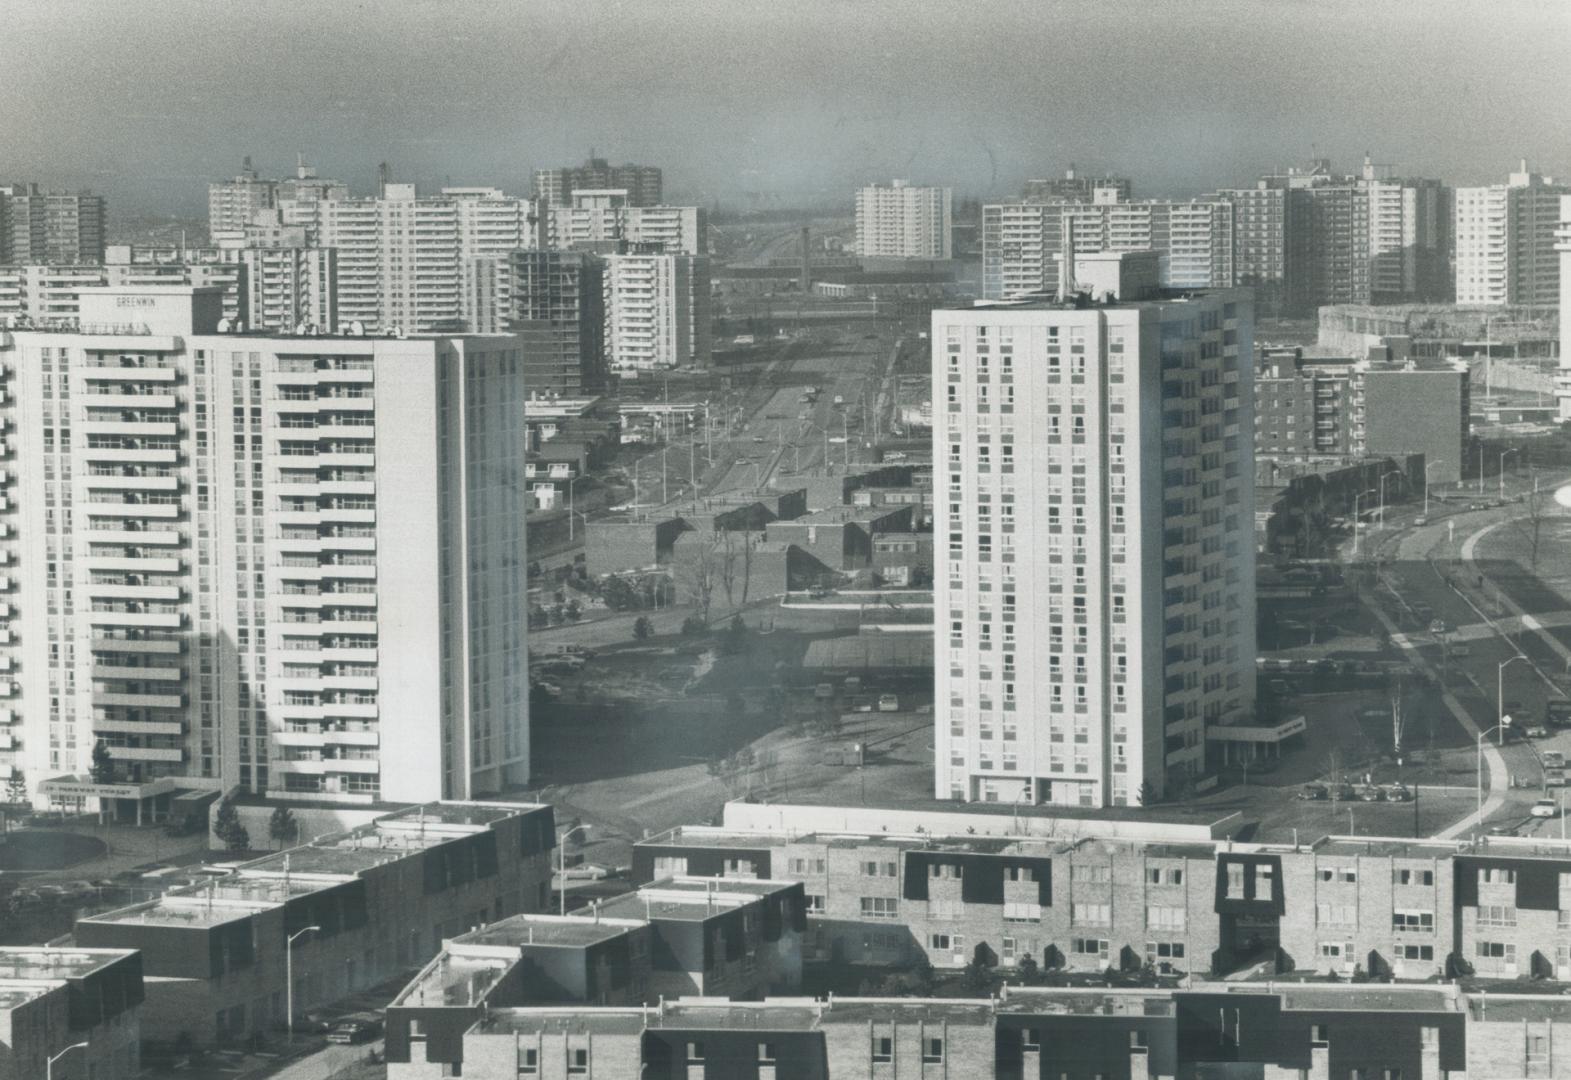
x: 805, y: 101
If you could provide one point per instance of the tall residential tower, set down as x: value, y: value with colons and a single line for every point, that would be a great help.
x: 1094, y: 587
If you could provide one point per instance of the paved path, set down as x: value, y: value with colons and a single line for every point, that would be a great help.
x: 324, y: 1063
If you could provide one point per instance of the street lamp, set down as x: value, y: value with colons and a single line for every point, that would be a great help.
x: 289, y: 976
x: 1427, y: 466
x: 1505, y: 722
x: 570, y: 484
x: 1357, y: 520
x: 1502, y: 472
x: 1500, y: 690
x: 49, y: 1066
x: 1384, y: 477
x: 561, y: 862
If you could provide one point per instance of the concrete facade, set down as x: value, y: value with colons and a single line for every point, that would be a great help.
x: 53, y: 999
x: 904, y: 221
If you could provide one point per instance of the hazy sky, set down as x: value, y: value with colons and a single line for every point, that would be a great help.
x: 147, y: 100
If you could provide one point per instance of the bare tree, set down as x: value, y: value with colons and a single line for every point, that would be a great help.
x: 725, y: 545
x: 1398, y: 715
x: 699, y: 569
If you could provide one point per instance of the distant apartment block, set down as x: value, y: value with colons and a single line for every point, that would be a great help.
x: 559, y: 315
x: 1093, y: 586
x: 1023, y: 243
x: 233, y: 204
x: 1307, y: 409
x: 424, y: 264
x: 656, y: 311
x: 556, y: 187
x: 209, y: 577
x: 1505, y: 241
x: 903, y: 221
x: 1075, y: 187
x: 50, y: 227
x: 609, y: 221
x: 1563, y: 248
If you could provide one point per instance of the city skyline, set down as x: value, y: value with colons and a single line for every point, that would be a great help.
x: 815, y: 103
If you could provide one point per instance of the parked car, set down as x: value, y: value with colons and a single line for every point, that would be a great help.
x: 1345, y: 792
x: 355, y: 1029
x: 1314, y: 791
x: 1437, y: 626
x: 1545, y: 808
x: 1398, y: 792
x: 1537, y: 732
x: 1371, y: 793
x: 888, y: 703
x: 1421, y: 519
x: 824, y: 691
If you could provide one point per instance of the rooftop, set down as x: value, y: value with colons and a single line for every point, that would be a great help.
x: 188, y: 911
x: 686, y: 899
x: 748, y: 1016
x: 453, y: 981
x: 1516, y: 1008
x: 1368, y: 999
x: 576, y: 1020
x: 908, y: 1010
x: 34, y: 962
x: 547, y: 930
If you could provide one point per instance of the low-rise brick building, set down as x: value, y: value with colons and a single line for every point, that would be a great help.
x: 82, y: 1006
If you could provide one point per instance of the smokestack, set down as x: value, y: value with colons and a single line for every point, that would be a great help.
x: 807, y: 262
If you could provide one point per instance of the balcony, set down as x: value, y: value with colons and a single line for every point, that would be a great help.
x: 146, y: 753
x: 121, y: 726
x: 108, y: 699
x: 151, y: 674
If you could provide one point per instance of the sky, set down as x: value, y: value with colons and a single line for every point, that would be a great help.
x: 146, y: 101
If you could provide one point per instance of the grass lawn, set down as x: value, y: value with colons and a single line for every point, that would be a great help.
x: 47, y: 849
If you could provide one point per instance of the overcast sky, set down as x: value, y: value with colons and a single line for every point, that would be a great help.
x: 148, y: 100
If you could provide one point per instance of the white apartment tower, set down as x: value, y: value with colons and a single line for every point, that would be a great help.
x: 1094, y: 590
x: 656, y: 311
x: 1563, y: 249
x: 1505, y: 241
x: 424, y: 265
x: 606, y: 221
x: 292, y: 565
x: 899, y: 220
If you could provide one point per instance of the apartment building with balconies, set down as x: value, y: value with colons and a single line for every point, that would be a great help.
x: 50, y: 227
x: 1094, y: 596
x: 1505, y: 241
x: 656, y: 311
x: 214, y: 581
x: 608, y: 220
x: 901, y: 220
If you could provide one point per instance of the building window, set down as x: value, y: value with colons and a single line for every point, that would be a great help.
x: 695, y: 1052
x: 880, y: 907
x: 528, y: 1061
x: 1089, y: 947
x: 1413, y: 877
x: 1496, y: 915
x: 766, y: 1053
x: 815, y: 904
x: 883, y: 1048
x: 932, y: 1051
x: 577, y: 1061
x: 1413, y: 922
x: 1495, y: 875
x: 1082, y: 914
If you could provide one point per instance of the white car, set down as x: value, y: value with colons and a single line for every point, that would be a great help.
x: 1545, y: 808
x: 888, y: 703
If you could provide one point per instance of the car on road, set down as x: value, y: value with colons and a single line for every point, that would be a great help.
x: 1545, y: 808
x: 758, y: 438
x: 1437, y: 626
x: 1421, y: 519
x: 1536, y: 732
x: 1310, y: 792
x: 1503, y: 828
x: 1553, y: 759
x: 1477, y: 506
x: 888, y: 703
x: 1460, y: 652
x: 359, y: 1028
x: 824, y: 691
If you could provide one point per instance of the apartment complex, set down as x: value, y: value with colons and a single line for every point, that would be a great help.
x: 80, y: 1007
x: 208, y: 583
x: 656, y: 311
x: 50, y: 226
x: 1086, y: 665
x: 903, y: 221
x: 610, y: 221
x: 1207, y: 1030
x: 893, y: 889
x: 362, y: 905
x: 1023, y: 244
x: 1563, y: 248
x: 1338, y: 408
x: 559, y: 315
x: 556, y: 187
x: 232, y: 205
x: 1076, y: 188
x: 1259, y: 242
x: 1505, y: 241
x: 428, y: 264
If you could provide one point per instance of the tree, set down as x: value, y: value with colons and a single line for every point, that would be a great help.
x: 103, y: 767
x: 699, y: 569
x: 643, y: 629
x: 1398, y: 715
x: 1530, y: 523
x: 16, y: 788
x: 282, y: 826
x: 1146, y: 795
x: 1029, y: 969
x: 227, y: 827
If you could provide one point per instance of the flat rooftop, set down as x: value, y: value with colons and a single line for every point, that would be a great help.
x: 1396, y: 848
x: 548, y: 930
x: 572, y: 1021
x: 701, y: 836
x: 759, y: 1016
x: 454, y: 981
x: 690, y: 899
x: 26, y: 963
x: 1367, y: 999
x: 1509, y: 1008
x: 865, y: 1010
x: 189, y: 911
x: 1087, y: 1002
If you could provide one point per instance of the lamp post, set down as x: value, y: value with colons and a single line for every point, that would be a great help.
x: 1358, y: 521
x: 49, y: 1066
x: 1500, y: 689
x: 1384, y: 477
x: 561, y: 862
x: 570, y: 484
x: 1427, y: 466
x: 289, y: 977
x: 1505, y: 722
x: 1502, y: 472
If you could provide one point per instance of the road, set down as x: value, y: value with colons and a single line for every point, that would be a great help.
x: 1434, y: 572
